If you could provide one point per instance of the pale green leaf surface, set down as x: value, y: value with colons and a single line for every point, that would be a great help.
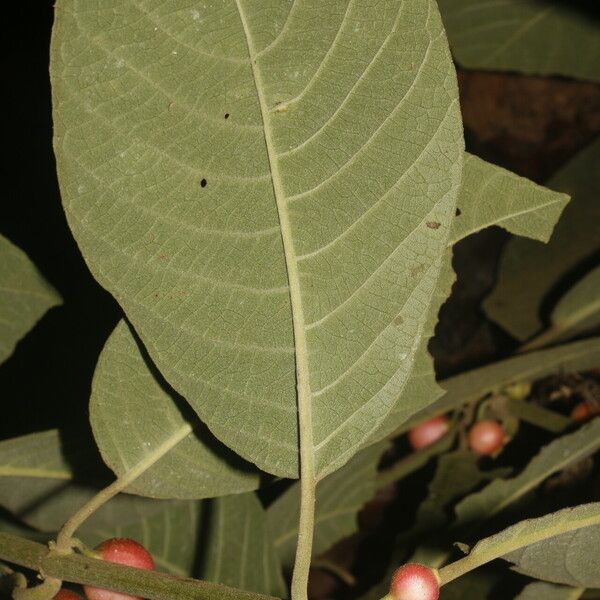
x: 133, y: 412
x: 469, y: 386
x: 542, y: 590
x: 529, y: 270
x: 552, y: 458
x: 531, y: 36
x: 24, y: 296
x: 240, y: 549
x: 491, y: 195
x: 579, y: 309
x: 340, y: 496
x: 336, y: 172
x: 571, y: 558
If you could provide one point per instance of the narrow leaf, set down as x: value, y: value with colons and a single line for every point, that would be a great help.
x: 529, y: 270
x: 239, y: 547
x: 24, y: 296
x: 571, y: 558
x: 576, y: 312
x: 547, y: 530
x: 223, y: 174
x: 340, y: 496
x: 531, y: 36
x: 554, y: 457
x: 133, y: 411
x: 491, y: 195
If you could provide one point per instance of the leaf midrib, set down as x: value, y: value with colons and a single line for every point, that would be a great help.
x: 304, y: 398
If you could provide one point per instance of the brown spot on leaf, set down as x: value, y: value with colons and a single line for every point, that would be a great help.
x: 398, y: 320
x: 433, y: 224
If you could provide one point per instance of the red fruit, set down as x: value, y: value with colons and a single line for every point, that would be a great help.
x: 125, y: 552
x: 486, y: 437
x: 415, y: 582
x: 584, y: 412
x: 66, y: 595
x: 427, y: 433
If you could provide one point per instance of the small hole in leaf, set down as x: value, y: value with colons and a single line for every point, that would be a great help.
x: 203, y: 183
x: 226, y: 116
x: 458, y: 212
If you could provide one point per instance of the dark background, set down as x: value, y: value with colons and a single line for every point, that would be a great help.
x: 530, y: 125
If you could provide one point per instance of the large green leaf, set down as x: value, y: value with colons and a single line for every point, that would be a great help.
x: 133, y: 413
x: 469, y: 386
x: 531, y: 36
x: 529, y: 270
x: 571, y: 558
x: 549, y: 591
x: 552, y: 458
x: 24, y: 296
x: 489, y: 195
x: 340, y: 496
x: 239, y: 547
x: 267, y: 189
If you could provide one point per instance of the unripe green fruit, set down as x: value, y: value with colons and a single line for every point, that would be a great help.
x: 415, y: 582
x: 125, y: 552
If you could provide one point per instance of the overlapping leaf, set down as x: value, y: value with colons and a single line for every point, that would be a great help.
x: 37, y: 484
x: 529, y: 270
x: 578, y: 310
x: 133, y: 413
x: 571, y: 558
x: 239, y: 547
x: 267, y: 197
x: 489, y: 195
x: 340, y: 496
x: 24, y: 296
x: 531, y: 36
x: 546, y: 530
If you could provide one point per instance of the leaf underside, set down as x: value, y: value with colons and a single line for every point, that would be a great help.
x: 133, y: 413
x: 219, y: 165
